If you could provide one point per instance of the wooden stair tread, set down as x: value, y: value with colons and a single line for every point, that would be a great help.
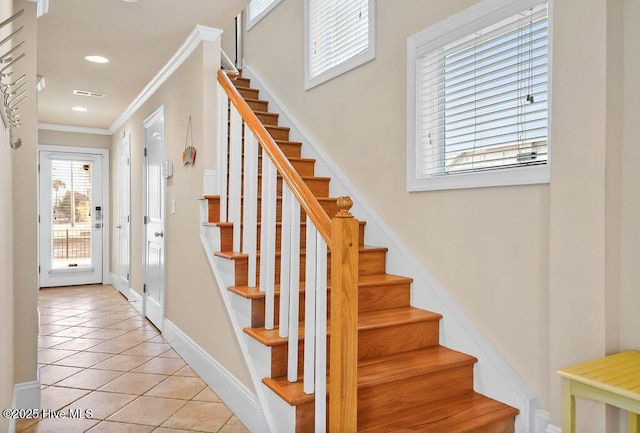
x: 366, y: 321
x: 240, y: 256
x: 363, y: 281
x: 262, y: 101
x: 466, y: 413
x: 378, y: 371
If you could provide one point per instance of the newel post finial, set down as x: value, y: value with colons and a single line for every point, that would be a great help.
x: 344, y: 205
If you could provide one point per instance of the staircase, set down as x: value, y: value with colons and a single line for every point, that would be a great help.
x: 406, y: 381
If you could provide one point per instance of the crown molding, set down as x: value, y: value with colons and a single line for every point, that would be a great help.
x: 199, y: 34
x: 71, y: 128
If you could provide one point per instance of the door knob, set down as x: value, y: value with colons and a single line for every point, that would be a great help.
x: 159, y: 234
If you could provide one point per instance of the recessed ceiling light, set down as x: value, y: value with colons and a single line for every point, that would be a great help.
x: 82, y: 109
x: 97, y: 59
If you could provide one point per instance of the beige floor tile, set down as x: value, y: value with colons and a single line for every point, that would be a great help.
x: 60, y: 425
x: 170, y: 354
x: 161, y: 366
x: 134, y: 383
x: 46, y: 319
x: 207, y: 395
x: 55, y: 397
x: 123, y: 362
x: 50, y: 340
x: 70, y: 321
x: 84, y: 359
x: 157, y: 339
x: 23, y: 423
x: 178, y: 387
x: 48, y: 356
x: 171, y: 430
x: 50, y: 374
x: 111, y: 346
x: 74, y: 331
x: 148, y: 349
x: 51, y: 329
x: 79, y: 344
x: 106, y: 334
x: 234, y: 426
x: 148, y: 410
x: 140, y: 336
x: 129, y: 324
x: 186, y: 371
x: 119, y: 427
x: 103, y: 322
x: 90, y: 379
x: 101, y: 404
x: 200, y: 416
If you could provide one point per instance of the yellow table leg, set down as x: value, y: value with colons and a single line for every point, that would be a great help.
x: 568, y: 408
x: 634, y: 424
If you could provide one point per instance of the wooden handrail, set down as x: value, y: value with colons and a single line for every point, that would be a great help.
x: 305, y: 197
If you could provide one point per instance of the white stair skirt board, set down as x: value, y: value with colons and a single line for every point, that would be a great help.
x: 493, y: 376
x: 553, y: 429
x: 223, y: 271
x: 210, y: 182
x: 233, y: 393
x: 25, y: 396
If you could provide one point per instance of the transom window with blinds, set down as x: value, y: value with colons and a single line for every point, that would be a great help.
x: 480, y: 99
x: 257, y: 9
x: 339, y: 36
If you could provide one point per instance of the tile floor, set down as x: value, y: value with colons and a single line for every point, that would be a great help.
x: 96, y: 353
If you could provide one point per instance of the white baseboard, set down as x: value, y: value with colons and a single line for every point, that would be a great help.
x: 25, y: 396
x: 553, y: 429
x: 233, y: 393
x: 542, y: 421
x: 135, y: 300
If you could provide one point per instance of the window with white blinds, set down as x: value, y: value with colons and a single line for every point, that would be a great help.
x: 481, y: 100
x: 258, y: 9
x: 339, y: 37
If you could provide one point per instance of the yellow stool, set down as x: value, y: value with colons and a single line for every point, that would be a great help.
x: 614, y: 380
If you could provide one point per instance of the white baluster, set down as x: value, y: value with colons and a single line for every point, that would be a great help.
x: 294, y: 290
x: 250, y: 214
x: 310, y: 309
x: 285, y: 259
x: 321, y: 339
x: 268, y: 238
x: 235, y: 176
x: 223, y: 149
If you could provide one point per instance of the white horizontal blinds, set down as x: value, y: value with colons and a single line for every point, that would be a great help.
x: 338, y: 31
x: 256, y: 7
x: 483, y: 99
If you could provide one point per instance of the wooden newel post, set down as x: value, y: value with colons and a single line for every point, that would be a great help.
x: 343, y: 361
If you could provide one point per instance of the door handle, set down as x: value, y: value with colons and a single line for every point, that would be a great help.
x: 118, y: 227
x: 98, y: 225
x: 159, y: 234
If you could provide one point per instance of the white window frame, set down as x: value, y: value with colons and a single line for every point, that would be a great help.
x: 264, y: 13
x: 346, y: 66
x: 475, y: 18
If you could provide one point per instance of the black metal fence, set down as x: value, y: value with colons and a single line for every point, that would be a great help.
x: 72, y: 244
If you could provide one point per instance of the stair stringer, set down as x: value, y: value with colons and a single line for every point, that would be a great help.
x: 493, y: 376
x: 279, y: 416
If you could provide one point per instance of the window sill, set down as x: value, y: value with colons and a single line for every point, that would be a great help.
x: 484, y: 179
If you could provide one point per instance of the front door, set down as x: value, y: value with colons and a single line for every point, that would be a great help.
x: 123, y: 218
x: 154, y: 228
x: 71, y: 218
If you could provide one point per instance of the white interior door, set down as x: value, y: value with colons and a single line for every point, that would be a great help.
x: 71, y: 219
x: 155, y: 213
x: 123, y: 219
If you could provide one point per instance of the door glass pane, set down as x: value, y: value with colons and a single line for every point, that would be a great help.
x: 71, y: 213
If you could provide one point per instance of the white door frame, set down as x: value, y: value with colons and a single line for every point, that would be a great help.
x: 106, y: 276
x: 156, y: 115
x: 123, y: 150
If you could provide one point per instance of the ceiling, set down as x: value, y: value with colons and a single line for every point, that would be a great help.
x: 138, y: 38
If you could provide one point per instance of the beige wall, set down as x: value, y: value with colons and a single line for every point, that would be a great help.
x: 549, y: 273
x: 6, y: 261
x: 193, y: 300
x: 24, y: 212
x: 75, y: 139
